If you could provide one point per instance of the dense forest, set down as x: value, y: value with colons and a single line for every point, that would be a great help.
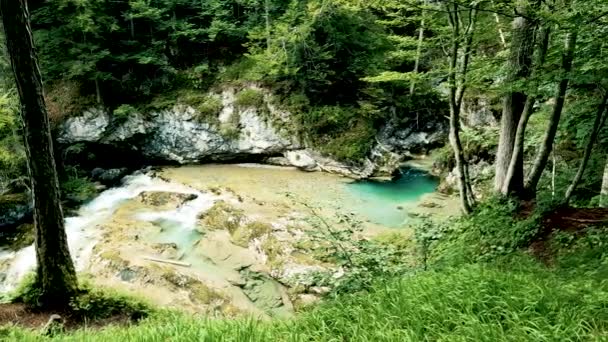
x: 507, y: 99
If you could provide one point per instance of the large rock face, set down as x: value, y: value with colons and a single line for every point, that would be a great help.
x: 182, y: 135
x: 178, y: 135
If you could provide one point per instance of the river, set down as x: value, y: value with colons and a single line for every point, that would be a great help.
x: 115, y: 235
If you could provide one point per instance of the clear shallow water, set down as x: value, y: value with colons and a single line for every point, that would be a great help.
x: 382, y: 203
x: 387, y: 203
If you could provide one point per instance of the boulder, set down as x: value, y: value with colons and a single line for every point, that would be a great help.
x: 302, y: 160
x: 89, y: 127
x: 109, y: 177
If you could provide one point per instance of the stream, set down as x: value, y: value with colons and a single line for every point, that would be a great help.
x: 120, y: 226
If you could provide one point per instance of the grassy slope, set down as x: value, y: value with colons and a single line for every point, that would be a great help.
x: 515, y: 301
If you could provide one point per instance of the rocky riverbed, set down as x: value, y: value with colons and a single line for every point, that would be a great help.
x: 219, y: 239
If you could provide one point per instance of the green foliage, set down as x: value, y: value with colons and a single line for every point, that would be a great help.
x: 27, y: 292
x: 77, y: 189
x: 250, y: 98
x: 492, y: 231
x: 516, y: 301
x: 345, y: 133
x: 123, y: 112
x: 208, y: 107
x: 92, y: 303
x: 361, y: 259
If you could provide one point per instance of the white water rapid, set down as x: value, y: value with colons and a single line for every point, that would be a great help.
x: 83, y: 231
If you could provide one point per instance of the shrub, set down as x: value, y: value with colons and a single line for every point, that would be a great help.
x: 93, y: 303
x: 77, y: 189
x: 492, y: 231
x: 250, y: 98
x: 123, y: 112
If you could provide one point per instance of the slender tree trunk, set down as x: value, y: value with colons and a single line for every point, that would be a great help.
x: 553, y: 175
x: 267, y: 19
x: 501, y: 34
x: 600, y: 119
x: 457, y: 84
x: 604, y: 190
x: 514, y: 181
x: 418, y: 52
x: 97, y: 91
x: 560, y: 96
x: 55, y: 272
x: 520, y: 60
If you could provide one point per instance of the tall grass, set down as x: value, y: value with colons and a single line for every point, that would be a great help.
x: 516, y: 301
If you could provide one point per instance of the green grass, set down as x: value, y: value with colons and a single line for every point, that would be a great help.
x: 520, y: 300
x: 487, y: 294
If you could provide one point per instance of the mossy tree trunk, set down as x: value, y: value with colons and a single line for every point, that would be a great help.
x: 518, y: 70
x: 55, y: 272
x: 513, y: 183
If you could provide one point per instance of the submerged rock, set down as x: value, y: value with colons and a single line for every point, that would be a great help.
x: 165, y: 200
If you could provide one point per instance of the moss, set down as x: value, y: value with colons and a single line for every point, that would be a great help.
x: 231, y: 129
x: 201, y: 293
x: 114, y: 258
x: 197, y: 291
x: 399, y: 240
x: 24, y: 236
x: 123, y: 112
x: 250, y: 98
x: 9, y: 200
x: 273, y: 249
x: 96, y: 303
x: 253, y: 230
x: 222, y: 216
x: 208, y: 107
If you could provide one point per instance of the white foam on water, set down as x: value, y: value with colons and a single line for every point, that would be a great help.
x: 83, y: 232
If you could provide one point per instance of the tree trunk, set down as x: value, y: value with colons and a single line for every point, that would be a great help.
x: 560, y: 96
x: 514, y: 181
x: 55, y: 272
x: 501, y: 34
x: 520, y: 60
x: 267, y: 20
x: 457, y: 88
x: 418, y: 53
x: 97, y: 91
x: 600, y: 119
x: 604, y: 190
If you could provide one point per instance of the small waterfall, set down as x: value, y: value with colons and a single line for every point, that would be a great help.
x: 83, y: 232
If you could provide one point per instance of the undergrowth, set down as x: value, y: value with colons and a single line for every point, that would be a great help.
x: 480, y: 285
x: 91, y: 303
x: 519, y: 300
